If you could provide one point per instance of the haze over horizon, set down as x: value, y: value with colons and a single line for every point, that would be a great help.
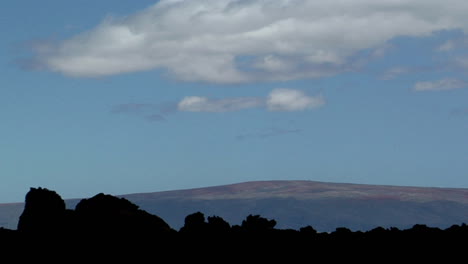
x: 145, y: 96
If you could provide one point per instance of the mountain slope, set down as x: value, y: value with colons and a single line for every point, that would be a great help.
x: 295, y: 204
x: 9, y: 214
x: 324, y: 206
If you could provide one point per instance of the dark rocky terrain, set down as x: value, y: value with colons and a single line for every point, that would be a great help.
x: 110, y: 228
x: 295, y: 204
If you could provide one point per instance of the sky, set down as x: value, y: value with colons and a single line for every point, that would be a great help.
x: 141, y: 96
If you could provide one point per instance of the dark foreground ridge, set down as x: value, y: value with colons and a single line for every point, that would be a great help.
x: 113, y: 228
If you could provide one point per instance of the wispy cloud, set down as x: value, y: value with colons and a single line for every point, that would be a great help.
x: 204, y: 40
x: 395, y: 72
x: 271, y: 132
x: 150, y: 112
x: 155, y: 118
x: 398, y: 71
x: 131, y: 108
x: 458, y: 42
x: 447, y: 46
x: 277, y: 100
x: 204, y: 104
x: 440, y: 85
x: 382, y: 50
x: 462, y: 62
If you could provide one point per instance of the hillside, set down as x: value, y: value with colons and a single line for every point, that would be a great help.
x: 324, y: 206
x: 9, y: 214
x: 295, y: 204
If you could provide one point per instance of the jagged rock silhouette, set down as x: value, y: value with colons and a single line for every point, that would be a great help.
x: 44, y: 211
x: 256, y: 223
x: 107, y: 214
x: 194, y: 223
x: 112, y: 227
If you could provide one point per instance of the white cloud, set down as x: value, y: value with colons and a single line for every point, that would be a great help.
x: 205, y: 40
x: 274, y: 64
x: 203, y: 104
x: 277, y: 100
x: 394, y: 72
x: 292, y: 100
x: 440, y: 85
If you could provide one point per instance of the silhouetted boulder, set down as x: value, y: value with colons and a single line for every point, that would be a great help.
x: 309, y: 230
x: 44, y: 211
x: 110, y: 215
x: 254, y: 223
x: 194, y: 223
x: 109, y: 226
x: 218, y: 225
x: 457, y: 230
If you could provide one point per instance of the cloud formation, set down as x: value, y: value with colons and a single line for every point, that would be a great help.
x: 203, y: 104
x: 277, y: 100
x: 395, y: 72
x: 440, y: 85
x: 232, y: 41
x: 292, y: 100
x: 151, y: 112
x: 447, y: 46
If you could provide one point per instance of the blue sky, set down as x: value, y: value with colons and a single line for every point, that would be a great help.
x: 139, y: 96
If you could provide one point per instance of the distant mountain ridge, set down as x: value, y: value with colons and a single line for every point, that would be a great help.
x: 295, y: 204
x: 314, y: 190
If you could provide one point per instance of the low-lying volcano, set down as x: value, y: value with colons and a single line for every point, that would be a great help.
x: 295, y: 204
